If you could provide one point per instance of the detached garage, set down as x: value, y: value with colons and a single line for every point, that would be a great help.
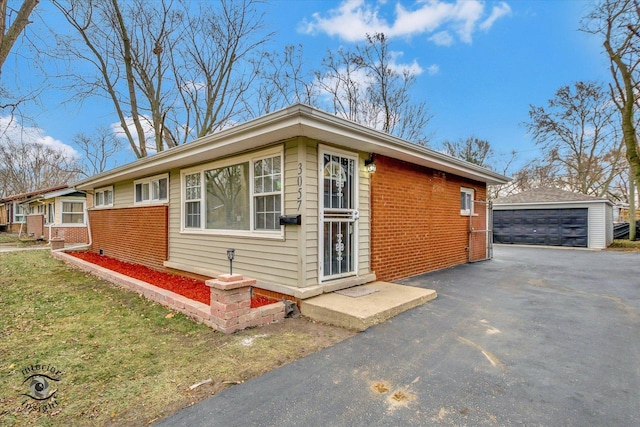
x: 553, y: 217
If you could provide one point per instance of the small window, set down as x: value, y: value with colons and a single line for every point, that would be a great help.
x: 152, y: 190
x: 466, y: 201
x: 103, y: 197
x: 50, y: 213
x: 192, y: 200
x: 73, y: 212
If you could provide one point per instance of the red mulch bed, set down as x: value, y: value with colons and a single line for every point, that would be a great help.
x: 187, y: 287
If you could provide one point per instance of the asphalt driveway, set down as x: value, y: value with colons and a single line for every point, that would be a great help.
x: 534, y: 337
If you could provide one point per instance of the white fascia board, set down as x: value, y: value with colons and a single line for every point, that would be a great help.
x: 530, y: 205
x: 298, y: 120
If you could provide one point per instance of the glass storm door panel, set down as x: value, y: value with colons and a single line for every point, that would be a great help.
x: 338, y: 215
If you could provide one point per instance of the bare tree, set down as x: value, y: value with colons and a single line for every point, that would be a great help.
x: 173, y: 70
x: 28, y: 166
x: 617, y: 23
x: 98, y: 150
x: 283, y: 80
x: 363, y: 84
x: 578, y: 136
x: 366, y: 86
x: 9, y: 35
x: 473, y: 150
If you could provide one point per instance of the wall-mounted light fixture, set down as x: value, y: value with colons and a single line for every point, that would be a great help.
x: 370, y: 165
x: 230, y: 255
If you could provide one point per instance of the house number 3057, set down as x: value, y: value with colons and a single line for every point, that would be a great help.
x: 299, y: 199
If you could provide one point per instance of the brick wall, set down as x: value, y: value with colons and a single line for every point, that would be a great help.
x: 35, y: 225
x: 416, y: 224
x: 136, y: 235
x: 71, y: 235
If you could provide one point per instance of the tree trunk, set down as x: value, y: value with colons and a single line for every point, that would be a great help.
x: 8, y: 39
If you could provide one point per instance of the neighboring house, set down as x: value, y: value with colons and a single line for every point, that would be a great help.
x: 553, y: 217
x: 13, y: 216
x: 295, y: 194
x: 45, y: 214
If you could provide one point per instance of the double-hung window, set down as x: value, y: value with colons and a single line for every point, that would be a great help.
x: 18, y: 213
x: 193, y: 193
x: 267, y: 193
x: 151, y: 190
x: 73, y: 212
x: 236, y: 197
x: 466, y: 201
x: 103, y: 197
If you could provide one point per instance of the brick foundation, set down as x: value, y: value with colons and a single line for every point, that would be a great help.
x: 416, y: 224
x: 135, y: 235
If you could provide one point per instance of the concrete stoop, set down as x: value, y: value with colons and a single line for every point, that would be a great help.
x: 364, y: 311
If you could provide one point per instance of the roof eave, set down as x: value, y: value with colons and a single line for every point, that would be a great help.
x: 295, y: 121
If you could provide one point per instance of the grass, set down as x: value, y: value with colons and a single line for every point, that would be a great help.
x: 12, y: 239
x: 625, y: 245
x: 8, y: 238
x: 124, y: 360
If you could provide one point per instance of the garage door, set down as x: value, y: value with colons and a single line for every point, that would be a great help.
x: 549, y: 227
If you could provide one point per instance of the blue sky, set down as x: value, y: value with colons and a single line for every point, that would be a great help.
x: 483, y: 63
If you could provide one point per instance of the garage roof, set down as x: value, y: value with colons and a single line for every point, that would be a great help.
x: 547, y: 195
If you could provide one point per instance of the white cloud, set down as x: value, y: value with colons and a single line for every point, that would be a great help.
x: 353, y: 19
x: 497, y: 12
x: 147, y: 128
x: 433, y: 69
x: 442, y: 38
x: 13, y: 131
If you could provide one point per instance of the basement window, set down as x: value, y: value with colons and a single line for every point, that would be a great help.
x: 103, y: 197
x: 152, y: 190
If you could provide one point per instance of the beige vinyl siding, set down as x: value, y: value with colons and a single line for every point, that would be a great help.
x: 364, y: 226
x: 291, y: 260
x: 123, y: 194
x: 266, y: 259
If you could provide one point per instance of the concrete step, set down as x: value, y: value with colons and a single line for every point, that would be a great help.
x: 362, y: 312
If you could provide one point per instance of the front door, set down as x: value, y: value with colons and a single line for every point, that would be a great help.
x: 338, y: 215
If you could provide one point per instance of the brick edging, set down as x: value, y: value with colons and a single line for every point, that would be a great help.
x: 196, y: 310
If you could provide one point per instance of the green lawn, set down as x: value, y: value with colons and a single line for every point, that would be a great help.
x: 123, y: 360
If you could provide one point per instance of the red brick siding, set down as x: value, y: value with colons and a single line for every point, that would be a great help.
x: 70, y: 234
x: 136, y: 235
x: 416, y: 224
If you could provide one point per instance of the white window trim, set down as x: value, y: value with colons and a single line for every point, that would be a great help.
x: 73, y: 224
x: 17, y: 206
x: 148, y: 181
x: 468, y: 212
x: 103, y: 190
x: 277, y: 234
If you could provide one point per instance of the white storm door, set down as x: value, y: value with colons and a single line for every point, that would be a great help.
x: 338, y: 215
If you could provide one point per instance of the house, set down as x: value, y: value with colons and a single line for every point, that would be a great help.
x: 58, y: 212
x: 553, y: 217
x: 310, y: 203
